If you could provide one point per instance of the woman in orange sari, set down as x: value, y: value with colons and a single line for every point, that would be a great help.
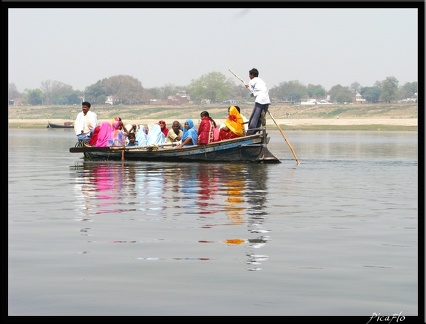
x: 233, y: 125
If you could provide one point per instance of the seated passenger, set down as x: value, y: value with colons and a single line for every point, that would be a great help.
x: 189, y: 136
x: 233, y: 125
x: 155, y: 135
x: 245, y: 120
x: 205, y: 129
x: 94, y: 137
x: 110, y: 135
x: 175, y: 134
x: 118, y: 135
x: 132, y: 140
x: 141, y: 135
x: 164, y: 129
x: 104, y: 134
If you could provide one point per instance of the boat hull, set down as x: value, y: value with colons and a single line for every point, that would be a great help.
x: 65, y: 125
x: 250, y: 149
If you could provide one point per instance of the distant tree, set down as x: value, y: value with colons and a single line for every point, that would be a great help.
x: 59, y: 93
x: 340, y: 94
x: 74, y: 98
x: 124, y: 88
x: 94, y: 91
x: 163, y: 92
x: 154, y: 93
x: 355, y: 87
x: 316, y: 91
x: 240, y: 92
x: 371, y: 94
x: 46, y: 88
x: 389, y: 89
x: 34, y: 97
x: 213, y: 86
x: 13, y: 92
x: 280, y: 92
x: 101, y: 99
x: 62, y: 92
x: 293, y: 91
x: 378, y: 84
x: 169, y: 90
x: 408, y: 90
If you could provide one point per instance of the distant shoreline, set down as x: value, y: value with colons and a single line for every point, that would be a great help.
x: 288, y: 117
x: 285, y: 124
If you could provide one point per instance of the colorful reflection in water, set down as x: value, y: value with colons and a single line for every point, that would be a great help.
x: 218, y: 194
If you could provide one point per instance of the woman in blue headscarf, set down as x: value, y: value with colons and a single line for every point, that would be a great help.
x: 155, y: 135
x: 189, y: 134
x: 141, y: 135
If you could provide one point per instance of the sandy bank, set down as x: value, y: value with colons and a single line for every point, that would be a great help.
x: 408, y: 122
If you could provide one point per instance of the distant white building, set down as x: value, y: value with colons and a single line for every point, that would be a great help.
x: 315, y: 102
x: 309, y: 102
x: 359, y: 98
x: 110, y: 100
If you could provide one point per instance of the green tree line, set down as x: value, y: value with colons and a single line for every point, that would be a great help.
x: 214, y: 87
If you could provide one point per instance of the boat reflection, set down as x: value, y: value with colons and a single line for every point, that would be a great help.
x: 247, y: 204
x: 101, y: 188
x: 217, y: 194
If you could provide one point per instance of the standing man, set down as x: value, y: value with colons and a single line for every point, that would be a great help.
x: 85, y: 122
x: 258, y: 90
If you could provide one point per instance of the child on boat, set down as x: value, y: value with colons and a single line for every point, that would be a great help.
x: 132, y: 140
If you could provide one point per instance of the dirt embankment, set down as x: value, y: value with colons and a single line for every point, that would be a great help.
x: 362, y: 116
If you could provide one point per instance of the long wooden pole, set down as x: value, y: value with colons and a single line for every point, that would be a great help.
x: 285, y: 138
x: 282, y: 133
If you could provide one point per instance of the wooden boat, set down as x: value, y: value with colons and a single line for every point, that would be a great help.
x: 250, y: 149
x: 65, y: 125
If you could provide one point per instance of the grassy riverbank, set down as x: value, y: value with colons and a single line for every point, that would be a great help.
x: 294, y: 117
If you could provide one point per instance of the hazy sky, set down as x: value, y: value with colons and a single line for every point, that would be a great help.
x: 158, y: 47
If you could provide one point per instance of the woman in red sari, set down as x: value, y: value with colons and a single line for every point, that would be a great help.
x: 205, y: 129
x: 163, y: 126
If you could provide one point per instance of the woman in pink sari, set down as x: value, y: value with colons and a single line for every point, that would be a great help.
x: 104, y: 135
x: 111, y: 135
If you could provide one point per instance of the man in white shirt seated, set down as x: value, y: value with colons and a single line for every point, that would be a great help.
x: 85, y: 122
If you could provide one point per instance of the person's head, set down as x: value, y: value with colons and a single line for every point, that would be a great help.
x: 176, y: 126
x: 132, y: 137
x: 233, y: 111
x: 162, y: 124
x: 117, y: 124
x: 253, y: 73
x: 204, y: 114
x: 85, y: 107
x: 189, y: 124
x: 238, y: 108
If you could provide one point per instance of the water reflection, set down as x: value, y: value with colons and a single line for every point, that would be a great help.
x: 199, y: 183
x: 217, y: 194
x: 101, y: 187
x: 257, y: 212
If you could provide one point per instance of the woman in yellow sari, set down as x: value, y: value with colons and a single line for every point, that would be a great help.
x: 233, y: 125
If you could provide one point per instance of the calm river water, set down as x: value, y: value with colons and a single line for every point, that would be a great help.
x: 336, y: 235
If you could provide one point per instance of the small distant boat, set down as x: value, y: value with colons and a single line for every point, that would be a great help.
x: 252, y: 148
x: 64, y: 125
